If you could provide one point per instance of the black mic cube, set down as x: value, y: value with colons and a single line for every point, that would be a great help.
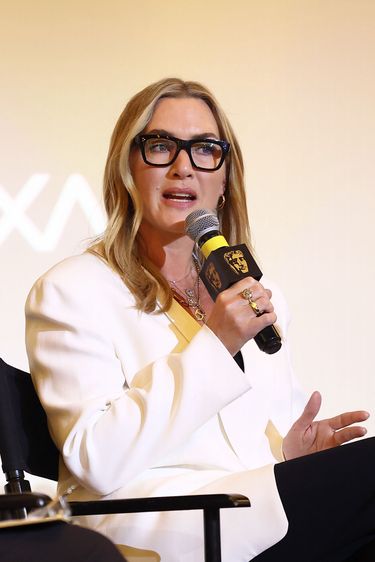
x: 227, y: 265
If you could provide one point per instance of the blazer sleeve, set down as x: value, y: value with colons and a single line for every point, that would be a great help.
x: 109, y: 430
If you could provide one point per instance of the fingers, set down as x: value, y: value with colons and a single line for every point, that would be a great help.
x: 349, y: 433
x: 250, y: 293
x: 237, y: 317
x: 308, y: 436
x: 248, y: 299
x: 310, y: 412
x: 348, y: 418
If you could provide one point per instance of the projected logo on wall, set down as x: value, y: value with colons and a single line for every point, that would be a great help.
x: 75, y: 191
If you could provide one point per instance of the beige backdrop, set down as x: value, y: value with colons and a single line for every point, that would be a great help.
x: 297, y: 80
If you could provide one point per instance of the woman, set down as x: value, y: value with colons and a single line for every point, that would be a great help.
x: 133, y: 361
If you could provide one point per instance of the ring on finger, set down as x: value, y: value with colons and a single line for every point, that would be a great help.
x: 255, y: 307
x: 248, y: 295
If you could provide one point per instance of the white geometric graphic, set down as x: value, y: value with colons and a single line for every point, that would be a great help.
x: 75, y: 190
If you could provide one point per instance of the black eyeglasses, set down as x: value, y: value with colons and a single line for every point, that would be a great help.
x: 162, y: 150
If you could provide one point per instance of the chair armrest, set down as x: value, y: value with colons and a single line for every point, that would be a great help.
x: 164, y: 503
x: 26, y: 500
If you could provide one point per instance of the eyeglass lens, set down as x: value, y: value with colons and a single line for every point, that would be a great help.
x: 204, y: 153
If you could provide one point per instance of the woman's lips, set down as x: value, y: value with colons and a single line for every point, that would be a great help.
x: 180, y: 196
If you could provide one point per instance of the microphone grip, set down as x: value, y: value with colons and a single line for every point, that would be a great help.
x: 225, y: 266
x: 268, y: 340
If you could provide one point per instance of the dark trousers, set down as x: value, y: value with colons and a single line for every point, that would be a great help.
x: 55, y: 542
x: 329, y: 499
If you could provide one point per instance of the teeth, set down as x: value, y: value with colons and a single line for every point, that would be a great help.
x: 179, y: 196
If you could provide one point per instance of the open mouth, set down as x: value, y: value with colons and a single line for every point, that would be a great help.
x: 180, y: 196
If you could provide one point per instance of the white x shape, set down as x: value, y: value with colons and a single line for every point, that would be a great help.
x: 75, y: 190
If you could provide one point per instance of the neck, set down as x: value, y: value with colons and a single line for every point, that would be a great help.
x: 171, y: 255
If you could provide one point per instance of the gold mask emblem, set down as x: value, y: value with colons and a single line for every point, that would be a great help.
x: 213, y: 276
x: 237, y: 262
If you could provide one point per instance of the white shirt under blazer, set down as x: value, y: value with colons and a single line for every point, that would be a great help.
x: 153, y: 404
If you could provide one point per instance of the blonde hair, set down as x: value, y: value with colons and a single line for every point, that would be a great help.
x: 118, y: 246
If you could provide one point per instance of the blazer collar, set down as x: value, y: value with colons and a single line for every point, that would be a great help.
x: 183, y: 322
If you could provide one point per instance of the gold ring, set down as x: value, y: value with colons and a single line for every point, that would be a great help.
x: 255, y: 307
x: 248, y: 295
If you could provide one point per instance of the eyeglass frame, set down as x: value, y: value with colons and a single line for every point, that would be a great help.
x: 140, y: 140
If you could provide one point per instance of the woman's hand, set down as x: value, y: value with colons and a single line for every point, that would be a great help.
x: 307, y: 436
x: 234, y: 321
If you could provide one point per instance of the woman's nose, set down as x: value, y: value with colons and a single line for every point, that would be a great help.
x: 182, y: 167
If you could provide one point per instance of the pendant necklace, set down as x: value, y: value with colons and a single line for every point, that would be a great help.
x: 190, y: 298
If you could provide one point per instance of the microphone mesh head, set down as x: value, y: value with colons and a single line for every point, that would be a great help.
x: 200, y: 222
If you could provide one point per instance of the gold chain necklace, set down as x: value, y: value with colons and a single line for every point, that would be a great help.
x: 190, y: 298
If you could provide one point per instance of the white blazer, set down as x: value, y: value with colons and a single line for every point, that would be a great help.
x: 153, y: 404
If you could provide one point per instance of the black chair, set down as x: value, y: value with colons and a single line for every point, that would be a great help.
x: 26, y: 445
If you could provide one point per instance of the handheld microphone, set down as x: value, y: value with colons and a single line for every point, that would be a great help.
x: 225, y: 265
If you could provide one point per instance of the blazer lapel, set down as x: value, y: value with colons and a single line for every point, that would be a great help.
x: 183, y: 324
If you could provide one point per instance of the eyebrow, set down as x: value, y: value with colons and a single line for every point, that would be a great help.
x: 163, y: 132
